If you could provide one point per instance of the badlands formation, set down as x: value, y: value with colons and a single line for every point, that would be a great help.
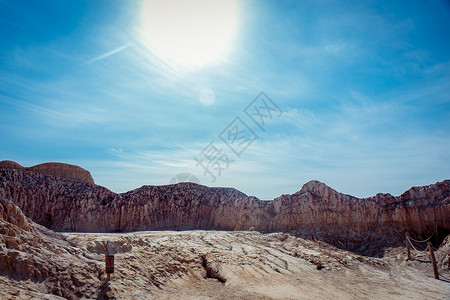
x: 213, y: 243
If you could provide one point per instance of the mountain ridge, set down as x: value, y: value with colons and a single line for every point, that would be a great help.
x: 315, y: 211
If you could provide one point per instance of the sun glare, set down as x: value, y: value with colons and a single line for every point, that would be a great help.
x: 189, y: 33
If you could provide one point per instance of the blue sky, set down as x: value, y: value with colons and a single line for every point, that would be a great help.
x: 364, y: 87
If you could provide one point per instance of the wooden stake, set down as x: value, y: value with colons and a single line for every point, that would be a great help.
x: 408, y: 249
x: 433, y: 261
x: 109, y: 265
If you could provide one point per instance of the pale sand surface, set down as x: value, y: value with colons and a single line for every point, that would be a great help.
x: 243, y: 265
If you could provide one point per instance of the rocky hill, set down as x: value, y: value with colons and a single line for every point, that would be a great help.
x: 37, y: 263
x: 56, y: 169
x: 316, y: 211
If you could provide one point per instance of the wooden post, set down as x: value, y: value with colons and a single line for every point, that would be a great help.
x: 408, y: 249
x: 433, y: 261
x: 109, y: 264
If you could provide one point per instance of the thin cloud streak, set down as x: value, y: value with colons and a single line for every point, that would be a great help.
x: 364, y: 113
x: 108, y: 54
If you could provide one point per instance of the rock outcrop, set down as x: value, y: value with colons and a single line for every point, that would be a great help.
x: 53, y: 168
x: 9, y: 164
x: 316, y: 211
x: 35, y: 261
x: 356, y: 223
x: 63, y: 170
x: 12, y: 215
x: 41, y: 264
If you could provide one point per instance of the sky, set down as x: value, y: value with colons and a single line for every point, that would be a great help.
x: 261, y: 96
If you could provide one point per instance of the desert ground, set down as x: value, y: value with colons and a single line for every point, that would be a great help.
x: 225, y: 265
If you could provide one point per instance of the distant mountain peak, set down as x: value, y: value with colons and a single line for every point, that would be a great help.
x: 314, y: 186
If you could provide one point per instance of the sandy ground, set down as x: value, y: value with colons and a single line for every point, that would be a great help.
x: 242, y: 265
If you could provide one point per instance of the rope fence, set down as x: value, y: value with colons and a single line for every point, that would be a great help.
x: 424, y: 241
x: 431, y: 251
x: 409, y: 241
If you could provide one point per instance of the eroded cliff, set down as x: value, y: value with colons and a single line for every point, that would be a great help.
x: 37, y: 263
x: 316, y: 211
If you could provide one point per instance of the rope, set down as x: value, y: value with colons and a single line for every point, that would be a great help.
x: 408, y: 238
x: 444, y: 277
x: 415, y: 247
x: 443, y: 251
x: 424, y: 241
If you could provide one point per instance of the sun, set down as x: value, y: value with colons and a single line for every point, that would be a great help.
x: 189, y: 32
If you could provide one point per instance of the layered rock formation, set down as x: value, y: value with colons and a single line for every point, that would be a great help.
x: 56, y: 169
x: 353, y: 222
x: 12, y: 216
x: 316, y: 211
x: 35, y: 261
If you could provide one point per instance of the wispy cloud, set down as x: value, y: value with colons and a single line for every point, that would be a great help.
x: 364, y: 89
x: 108, y: 54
